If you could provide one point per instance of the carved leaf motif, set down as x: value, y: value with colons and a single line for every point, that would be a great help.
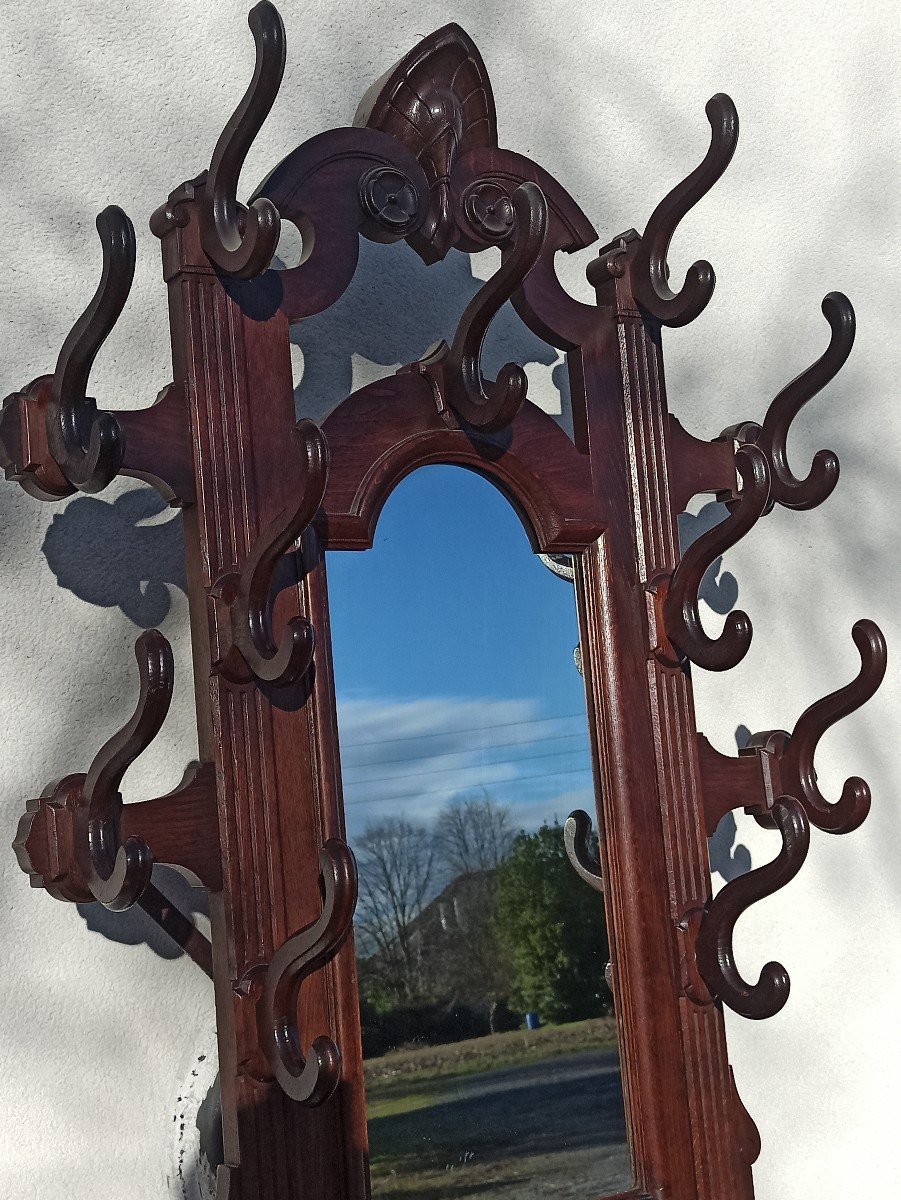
x: 438, y: 101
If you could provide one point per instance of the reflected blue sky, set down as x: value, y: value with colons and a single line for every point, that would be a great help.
x: 453, y: 652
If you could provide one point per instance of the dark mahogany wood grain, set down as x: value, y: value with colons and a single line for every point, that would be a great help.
x: 261, y: 822
x: 275, y: 750
x: 388, y: 429
x: 652, y: 813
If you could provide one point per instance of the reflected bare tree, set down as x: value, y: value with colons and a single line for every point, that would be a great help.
x: 396, y: 859
x: 473, y: 834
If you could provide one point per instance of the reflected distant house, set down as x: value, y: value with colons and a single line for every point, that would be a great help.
x: 458, y: 961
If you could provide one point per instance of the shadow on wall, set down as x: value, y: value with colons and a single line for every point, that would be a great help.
x: 106, y: 554
x: 393, y: 312
x: 134, y: 927
x: 719, y: 591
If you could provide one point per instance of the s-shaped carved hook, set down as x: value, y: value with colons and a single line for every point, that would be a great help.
x: 118, y: 874
x: 89, y: 445
x: 455, y: 371
x: 253, y: 654
x: 714, y: 950
x: 796, y: 752
x: 771, y: 437
x: 650, y: 272
x: 241, y: 240
x: 680, y: 608
x: 576, y: 831
x: 308, y: 1079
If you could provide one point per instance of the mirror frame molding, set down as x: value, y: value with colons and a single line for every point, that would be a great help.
x: 260, y: 821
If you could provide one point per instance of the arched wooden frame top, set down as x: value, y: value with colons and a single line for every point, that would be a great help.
x: 387, y: 430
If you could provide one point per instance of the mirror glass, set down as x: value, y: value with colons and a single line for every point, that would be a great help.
x: 490, y: 1054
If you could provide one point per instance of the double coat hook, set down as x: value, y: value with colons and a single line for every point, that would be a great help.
x: 88, y: 445
x: 650, y: 270
x: 455, y: 371
x: 242, y: 240
x: 785, y: 488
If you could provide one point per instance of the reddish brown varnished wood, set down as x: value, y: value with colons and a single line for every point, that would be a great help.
x: 696, y: 466
x: 714, y: 949
x: 438, y: 101
x: 679, y: 593
x: 455, y: 371
x: 319, y: 187
x: 390, y: 428
x: 181, y: 828
x: 261, y: 823
x: 776, y: 762
x: 772, y: 436
x: 244, y: 248
x: 275, y: 749
x: 750, y: 781
x: 651, y: 805
x: 53, y: 438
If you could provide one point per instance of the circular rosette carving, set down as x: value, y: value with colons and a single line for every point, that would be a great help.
x: 389, y: 198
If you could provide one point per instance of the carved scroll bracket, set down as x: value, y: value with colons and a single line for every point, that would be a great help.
x: 335, y: 188
x: 274, y: 989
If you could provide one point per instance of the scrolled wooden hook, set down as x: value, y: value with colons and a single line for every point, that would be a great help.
x: 118, y: 874
x: 576, y: 832
x: 796, y: 752
x: 785, y: 488
x: 681, y: 613
x: 253, y: 654
x: 241, y: 240
x: 714, y: 949
x: 650, y: 272
x: 89, y: 445
x: 307, y: 1078
x: 456, y: 370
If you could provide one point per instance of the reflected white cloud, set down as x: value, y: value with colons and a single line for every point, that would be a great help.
x: 412, y: 756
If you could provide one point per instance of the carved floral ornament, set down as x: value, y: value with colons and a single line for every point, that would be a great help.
x: 422, y: 163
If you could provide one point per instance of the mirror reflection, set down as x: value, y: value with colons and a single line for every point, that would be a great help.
x: 489, y: 1042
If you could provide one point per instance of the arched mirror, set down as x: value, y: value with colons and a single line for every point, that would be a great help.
x: 489, y: 1044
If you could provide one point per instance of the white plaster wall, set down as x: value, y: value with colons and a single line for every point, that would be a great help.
x: 105, y: 103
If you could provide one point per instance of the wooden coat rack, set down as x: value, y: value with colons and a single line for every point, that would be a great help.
x: 259, y: 820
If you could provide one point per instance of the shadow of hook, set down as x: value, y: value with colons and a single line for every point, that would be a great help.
x: 253, y: 654
x: 681, y: 615
x: 771, y: 437
x: 796, y: 752
x: 117, y: 874
x: 714, y: 949
x: 455, y: 370
x: 309, y: 1079
x: 88, y: 445
x: 650, y: 272
x: 576, y: 832
x: 241, y: 240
